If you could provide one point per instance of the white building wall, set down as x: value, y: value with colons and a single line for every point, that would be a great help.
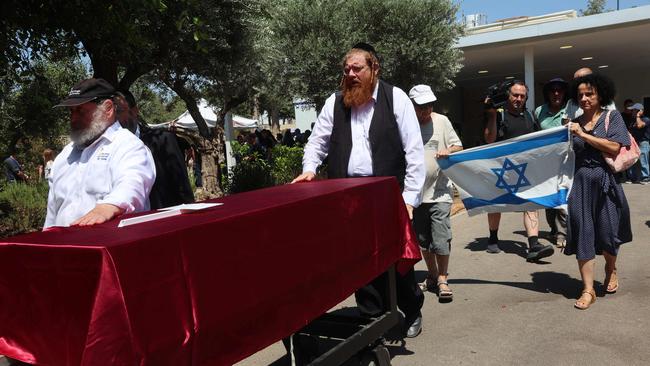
x: 305, y: 115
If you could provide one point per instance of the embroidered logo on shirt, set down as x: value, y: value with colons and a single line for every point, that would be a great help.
x: 102, y: 155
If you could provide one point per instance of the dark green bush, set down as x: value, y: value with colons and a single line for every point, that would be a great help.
x: 254, y: 172
x: 22, y: 208
x: 249, y: 174
x: 286, y: 163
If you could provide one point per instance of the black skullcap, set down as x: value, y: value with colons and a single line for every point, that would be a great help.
x: 366, y: 47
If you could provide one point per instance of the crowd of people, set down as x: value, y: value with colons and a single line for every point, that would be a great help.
x: 115, y: 164
x: 413, y: 137
x: 261, y: 142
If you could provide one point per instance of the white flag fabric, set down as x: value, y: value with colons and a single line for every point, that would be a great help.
x: 520, y: 174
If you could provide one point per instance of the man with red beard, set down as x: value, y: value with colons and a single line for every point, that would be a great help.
x: 370, y: 128
x: 105, y: 171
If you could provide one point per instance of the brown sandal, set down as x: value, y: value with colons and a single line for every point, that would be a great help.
x: 583, y: 303
x: 611, y: 281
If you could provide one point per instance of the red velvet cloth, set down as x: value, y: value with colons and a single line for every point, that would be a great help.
x: 205, y: 288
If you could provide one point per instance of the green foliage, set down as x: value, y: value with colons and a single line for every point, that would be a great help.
x: 28, y: 123
x: 254, y: 172
x: 594, y: 7
x: 414, y: 39
x: 157, y: 104
x: 286, y: 164
x: 251, y: 172
x: 22, y: 208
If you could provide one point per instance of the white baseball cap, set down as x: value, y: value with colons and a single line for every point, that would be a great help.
x: 637, y: 106
x: 422, y: 94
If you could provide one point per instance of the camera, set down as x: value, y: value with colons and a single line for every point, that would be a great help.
x: 498, y: 93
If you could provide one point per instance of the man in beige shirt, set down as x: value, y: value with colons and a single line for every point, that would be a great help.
x: 431, y: 219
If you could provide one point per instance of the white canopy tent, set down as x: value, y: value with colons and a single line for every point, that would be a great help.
x: 186, y: 121
x: 231, y: 122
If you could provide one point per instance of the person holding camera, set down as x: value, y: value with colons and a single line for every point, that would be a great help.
x: 514, y: 120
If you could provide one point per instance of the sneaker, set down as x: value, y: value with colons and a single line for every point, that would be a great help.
x: 539, y: 251
x: 493, y: 248
x: 645, y: 181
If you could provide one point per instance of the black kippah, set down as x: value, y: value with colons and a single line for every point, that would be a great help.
x: 366, y: 47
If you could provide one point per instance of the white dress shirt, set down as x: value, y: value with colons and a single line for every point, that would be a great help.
x: 117, y: 168
x: 360, y: 163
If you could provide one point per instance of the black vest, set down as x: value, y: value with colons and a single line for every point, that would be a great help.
x: 388, y: 158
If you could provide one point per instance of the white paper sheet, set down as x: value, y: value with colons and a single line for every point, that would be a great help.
x: 167, y: 212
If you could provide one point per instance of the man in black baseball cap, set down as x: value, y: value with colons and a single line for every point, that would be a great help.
x: 105, y: 171
x: 87, y: 90
x: 89, y: 120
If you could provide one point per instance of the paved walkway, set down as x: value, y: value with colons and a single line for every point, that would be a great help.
x: 506, y: 311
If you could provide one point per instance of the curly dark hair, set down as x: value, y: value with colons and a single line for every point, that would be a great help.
x: 604, y: 87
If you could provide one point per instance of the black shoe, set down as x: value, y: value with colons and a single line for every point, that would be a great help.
x: 415, y: 329
x: 539, y: 251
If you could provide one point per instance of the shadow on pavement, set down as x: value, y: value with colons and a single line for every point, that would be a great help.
x: 509, y: 246
x: 647, y: 223
x: 544, y: 282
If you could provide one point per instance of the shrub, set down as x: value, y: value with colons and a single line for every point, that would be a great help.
x: 22, y: 208
x: 254, y: 172
x: 286, y: 163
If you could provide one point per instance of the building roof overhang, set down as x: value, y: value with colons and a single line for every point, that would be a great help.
x: 617, y: 39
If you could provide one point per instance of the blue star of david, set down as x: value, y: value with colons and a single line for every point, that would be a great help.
x: 522, y: 181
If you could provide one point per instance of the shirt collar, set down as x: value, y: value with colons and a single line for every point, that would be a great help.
x: 374, y: 92
x: 548, y: 112
x: 109, y: 133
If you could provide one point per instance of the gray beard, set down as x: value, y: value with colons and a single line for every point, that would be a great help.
x: 82, y: 138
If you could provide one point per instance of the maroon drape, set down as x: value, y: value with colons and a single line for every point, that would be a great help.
x: 204, y: 288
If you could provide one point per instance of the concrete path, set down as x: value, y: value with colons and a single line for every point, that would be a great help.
x: 510, y: 312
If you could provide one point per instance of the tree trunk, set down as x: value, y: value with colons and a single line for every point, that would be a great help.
x: 210, y: 171
x: 209, y: 146
x: 133, y: 72
x: 275, y: 120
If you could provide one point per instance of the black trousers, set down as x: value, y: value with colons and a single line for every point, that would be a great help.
x: 372, y: 299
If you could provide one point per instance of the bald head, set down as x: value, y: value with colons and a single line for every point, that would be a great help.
x: 582, y: 72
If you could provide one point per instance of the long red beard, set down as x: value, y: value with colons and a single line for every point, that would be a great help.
x: 355, y: 95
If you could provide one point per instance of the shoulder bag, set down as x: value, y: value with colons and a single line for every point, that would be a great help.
x: 626, y: 156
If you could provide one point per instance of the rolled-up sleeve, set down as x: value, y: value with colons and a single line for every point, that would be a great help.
x: 409, y: 128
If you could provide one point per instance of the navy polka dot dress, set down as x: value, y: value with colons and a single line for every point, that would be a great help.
x: 599, y: 216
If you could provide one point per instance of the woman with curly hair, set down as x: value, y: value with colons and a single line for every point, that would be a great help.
x: 599, y: 216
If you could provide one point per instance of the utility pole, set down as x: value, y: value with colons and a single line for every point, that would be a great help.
x: 617, y: 3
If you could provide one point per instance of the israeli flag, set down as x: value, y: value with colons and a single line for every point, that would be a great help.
x: 524, y: 173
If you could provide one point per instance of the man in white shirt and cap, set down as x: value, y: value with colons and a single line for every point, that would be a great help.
x: 105, y: 171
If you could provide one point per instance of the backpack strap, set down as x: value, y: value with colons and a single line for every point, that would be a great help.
x: 607, y: 122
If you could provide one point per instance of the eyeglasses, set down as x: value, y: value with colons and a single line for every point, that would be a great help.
x: 356, y: 69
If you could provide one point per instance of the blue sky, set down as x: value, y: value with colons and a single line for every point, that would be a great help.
x: 501, y: 9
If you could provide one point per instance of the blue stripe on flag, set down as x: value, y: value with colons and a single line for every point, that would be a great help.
x: 552, y: 200
x: 558, y: 136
